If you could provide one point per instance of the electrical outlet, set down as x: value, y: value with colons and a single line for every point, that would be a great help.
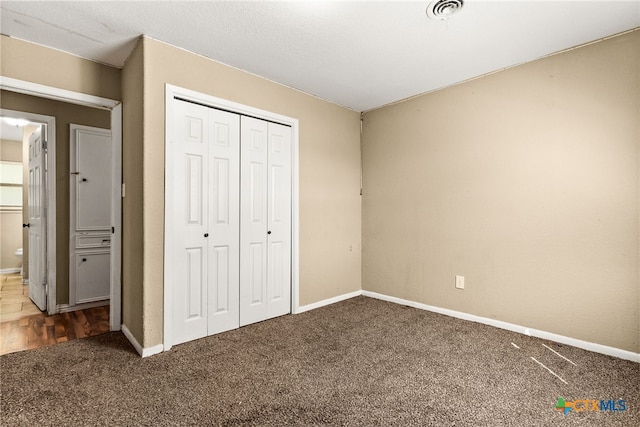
x: 460, y: 282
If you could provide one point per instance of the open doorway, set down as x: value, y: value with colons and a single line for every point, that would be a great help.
x: 55, y: 260
x: 23, y: 208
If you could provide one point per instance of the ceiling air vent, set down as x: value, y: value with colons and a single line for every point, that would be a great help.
x: 443, y: 9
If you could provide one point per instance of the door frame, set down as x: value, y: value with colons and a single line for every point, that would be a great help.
x: 171, y: 93
x: 115, y: 109
x: 50, y: 191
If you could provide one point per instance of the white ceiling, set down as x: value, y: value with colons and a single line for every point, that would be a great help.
x: 361, y: 55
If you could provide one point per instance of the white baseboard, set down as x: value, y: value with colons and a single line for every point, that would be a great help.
x: 144, y: 352
x: 10, y: 270
x: 65, y: 308
x: 328, y: 301
x: 596, y: 348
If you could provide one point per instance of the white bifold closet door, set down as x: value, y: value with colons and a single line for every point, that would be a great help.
x: 230, y: 195
x: 205, y: 186
x: 265, y: 234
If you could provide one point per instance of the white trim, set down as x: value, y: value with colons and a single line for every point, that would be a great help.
x: 50, y: 183
x: 10, y: 270
x: 66, y: 308
x: 35, y: 89
x: 42, y: 91
x: 144, y: 352
x: 328, y: 301
x: 171, y: 92
x: 585, y: 345
x: 167, y: 311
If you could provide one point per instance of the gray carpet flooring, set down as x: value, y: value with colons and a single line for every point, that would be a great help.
x: 361, y: 362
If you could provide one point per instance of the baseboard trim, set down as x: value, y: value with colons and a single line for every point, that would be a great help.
x: 328, y: 301
x: 10, y: 270
x: 66, y: 308
x: 143, y: 352
x: 585, y: 345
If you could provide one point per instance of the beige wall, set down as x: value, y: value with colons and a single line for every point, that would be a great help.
x: 33, y: 63
x: 132, y: 236
x: 527, y: 183
x: 329, y: 173
x: 10, y: 219
x: 64, y: 114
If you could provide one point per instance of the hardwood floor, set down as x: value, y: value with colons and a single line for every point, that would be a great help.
x: 14, y: 298
x: 28, y: 331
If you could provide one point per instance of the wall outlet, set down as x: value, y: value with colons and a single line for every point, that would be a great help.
x: 460, y: 282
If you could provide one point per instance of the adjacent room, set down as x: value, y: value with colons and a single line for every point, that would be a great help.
x: 320, y: 212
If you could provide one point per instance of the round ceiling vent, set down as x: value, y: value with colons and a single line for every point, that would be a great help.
x: 443, y: 9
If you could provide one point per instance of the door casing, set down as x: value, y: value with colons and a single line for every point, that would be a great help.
x: 171, y: 93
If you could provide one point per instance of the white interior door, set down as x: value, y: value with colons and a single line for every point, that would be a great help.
x: 265, y: 233
x: 224, y: 221
x: 253, y: 211
x: 279, y: 221
x: 205, y: 221
x: 37, y: 220
x: 188, y: 153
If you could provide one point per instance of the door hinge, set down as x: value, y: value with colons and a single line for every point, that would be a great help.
x: 44, y: 145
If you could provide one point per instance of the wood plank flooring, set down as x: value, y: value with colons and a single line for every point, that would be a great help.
x: 14, y: 298
x: 40, y: 330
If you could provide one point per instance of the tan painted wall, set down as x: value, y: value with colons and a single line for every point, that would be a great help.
x: 132, y: 237
x: 10, y: 219
x: 329, y: 173
x: 65, y: 114
x: 527, y: 183
x: 33, y: 63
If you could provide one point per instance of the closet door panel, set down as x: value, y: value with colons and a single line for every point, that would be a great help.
x: 189, y: 254
x: 224, y: 221
x: 253, y: 219
x: 279, y: 221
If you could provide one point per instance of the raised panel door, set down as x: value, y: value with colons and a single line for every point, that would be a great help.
x: 224, y: 221
x: 189, y: 151
x: 253, y: 214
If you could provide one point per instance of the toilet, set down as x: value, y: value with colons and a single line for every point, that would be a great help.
x: 18, y: 253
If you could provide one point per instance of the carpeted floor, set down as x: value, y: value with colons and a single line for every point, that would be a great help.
x: 361, y: 362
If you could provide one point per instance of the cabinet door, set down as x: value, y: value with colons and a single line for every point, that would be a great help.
x: 92, y: 275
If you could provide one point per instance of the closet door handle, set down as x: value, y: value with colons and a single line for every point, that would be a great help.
x: 269, y: 232
x: 206, y: 234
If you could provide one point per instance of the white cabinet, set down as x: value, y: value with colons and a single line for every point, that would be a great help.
x: 90, y: 215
